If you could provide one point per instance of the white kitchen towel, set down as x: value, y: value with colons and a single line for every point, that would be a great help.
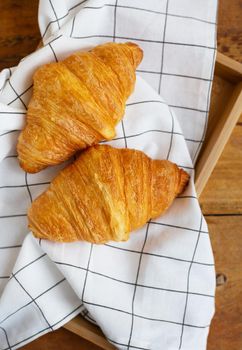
x: 155, y: 291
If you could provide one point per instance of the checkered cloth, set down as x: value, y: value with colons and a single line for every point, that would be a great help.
x: 155, y: 291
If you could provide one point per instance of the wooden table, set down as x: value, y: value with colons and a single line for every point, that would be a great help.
x: 221, y: 200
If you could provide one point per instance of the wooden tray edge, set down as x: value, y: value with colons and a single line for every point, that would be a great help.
x: 230, y: 70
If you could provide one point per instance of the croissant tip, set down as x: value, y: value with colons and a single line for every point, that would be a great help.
x: 28, y: 168
x: 137, y: 53
x: 183, y: 182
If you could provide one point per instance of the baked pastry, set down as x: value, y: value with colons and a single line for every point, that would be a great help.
x: 104, y: 195
x: 76, y: 103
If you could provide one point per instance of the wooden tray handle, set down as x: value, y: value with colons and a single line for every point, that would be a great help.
x: 212, y: 150
x: 218, y: 139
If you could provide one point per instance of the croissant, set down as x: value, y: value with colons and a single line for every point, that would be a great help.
x: 76, y: 103
x: 104, y: 195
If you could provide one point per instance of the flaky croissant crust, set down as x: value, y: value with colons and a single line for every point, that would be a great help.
x: 104, y: 195
x: 76, y: 103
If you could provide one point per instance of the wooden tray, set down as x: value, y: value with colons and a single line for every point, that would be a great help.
x: 225, y: 110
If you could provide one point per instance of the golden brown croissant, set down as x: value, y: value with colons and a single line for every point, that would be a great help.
x: 104, y: 195
x: 76, y: 103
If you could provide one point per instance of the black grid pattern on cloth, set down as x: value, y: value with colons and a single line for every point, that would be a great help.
x: 124, y: 7
x: 135, y: 286
x: 18, y: 96
x: 163, y: 44
x: 188, y: 283
x: 172, y: 133
x: 114, y: 39
x: 50, y: 46
x: 144, y: 317
x: 125, y: 137
x: 72, y: 27
x: 144, y: 40
x: 2, y: 112
x: 40, y: 332
x: 208, y: 93
x: 8, y: 132
x: 33, y: 300
x: 87, y: 270
x: 170, y: 105
x: 6, y: 335
x: 163, y: 47
x: 28, y: 187
x: 54, y: 11
x: 172, y: 74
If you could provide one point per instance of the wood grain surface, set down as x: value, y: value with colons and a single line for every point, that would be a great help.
x: 230, y: 28
x: 221, y: 200
x: 19, y: 31
x: 226, y: 237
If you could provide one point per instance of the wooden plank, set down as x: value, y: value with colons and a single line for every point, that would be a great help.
x: 19, y: 32
x: 230, y: 29
x: 89, y: 332
x: 222, y: 91
x: 214, y: 146
x: 239, y: 121
x: 222, y: 194
x: 226, y: 329
x: 60, y: 339
x: 228, y: 68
